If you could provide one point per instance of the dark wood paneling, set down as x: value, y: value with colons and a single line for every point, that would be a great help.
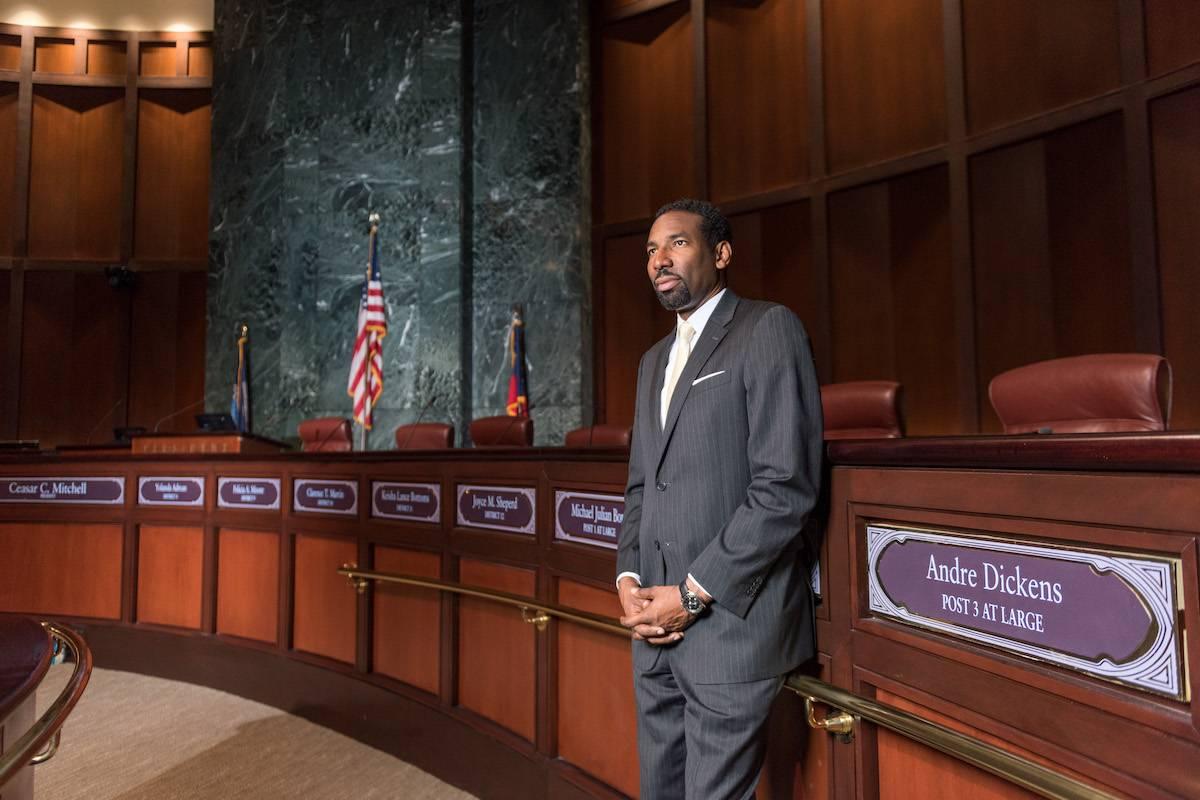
x: 325, y: 605
x: 1175, y: 122
x: 248, y: 584
x: 1027, y: 57
x: 10, y: 52
x: 633, y: 321
x: 173, y: 144
x: 757, y: 97
x: 647, y: 128
x: 200, y: 60
x: 884, y: 79
x: 861, y: 285
x: 54, y: 55
x: 75, y: 173
x: 1172, y: 34
x: 156, y: 59
x: 496, y: 665
x: 170, y: 570
x: 61, y: 568
x: 772, y: 260
x: 5, y: 296
x: 106, y: 58
x: 166, y: 371
x: 8, y: 166
x: 71, y: 356
x: 407, y: 623
x: 594, y: 693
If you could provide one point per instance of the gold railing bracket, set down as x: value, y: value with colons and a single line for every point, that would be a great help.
x: 48, y: 753
x: 359, y: 583
x: 840, y: 725
x: 535, y: 616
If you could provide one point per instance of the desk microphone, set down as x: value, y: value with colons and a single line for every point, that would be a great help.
x: 174, y: 414
x: 107, y: 414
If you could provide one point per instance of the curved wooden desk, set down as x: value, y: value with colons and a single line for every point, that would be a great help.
x: 25, y: 654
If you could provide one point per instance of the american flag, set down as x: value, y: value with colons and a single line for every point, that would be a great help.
x: 366, y: 365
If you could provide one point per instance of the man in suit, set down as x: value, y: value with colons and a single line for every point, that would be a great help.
x: 723, y: 471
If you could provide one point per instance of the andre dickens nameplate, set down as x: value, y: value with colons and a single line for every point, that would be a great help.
x: 1111, y: 615
x: 325, y: 497
x: 416, y: 502
x: 588, y: 518
x: 102, y: 491
x: 501, y: 508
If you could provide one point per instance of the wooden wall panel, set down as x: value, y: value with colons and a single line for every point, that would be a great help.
x: 757, y: 97
x: 1026, y: 57
x: 893, y: 294
x: 156, y: 60
x: 324, y: 611
x: 1175, y: 121
x: 1172, y: 34
x: 595, y: 692
x: 884, y: 79
x: 174, y: 143
x: 646, y: 135
x: 496, y: 649
x: 200, y: 60
x: 106, y: 58
x: 170, y: 574
x: 772, y: 260
x: 166, y: 371
x: 248, y: 584
x: 633, y: 321
x: 75, y: 173
x: 407, y: 623
x: 5, y: 295
x: 8, y: 165
x: 54, y: 55
x: 70, y: 569
x: 71, y: 357
x: 10, y: 52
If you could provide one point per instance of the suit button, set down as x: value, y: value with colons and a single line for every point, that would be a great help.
x: 656, y: 545
x: 662, y: 487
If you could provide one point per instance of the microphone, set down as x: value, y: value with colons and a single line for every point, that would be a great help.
x: 413, y: 428
x: 107, y: 414
x: 174, y: 414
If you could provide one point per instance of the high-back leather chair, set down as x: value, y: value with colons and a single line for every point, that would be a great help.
x: 1101, y: 393
x: 862, y: 410
x: 502, y: 432
x: 326, y: 435
x: 599, y: 436
x: 424, y: 436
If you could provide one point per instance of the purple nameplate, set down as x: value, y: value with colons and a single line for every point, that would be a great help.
x: 325, y: 496
x: 416, y: 502
x: 256, y: 493
x: 100, y: 491
x: 588, y: 518
x: 171, y: 491
x: 501, y: 508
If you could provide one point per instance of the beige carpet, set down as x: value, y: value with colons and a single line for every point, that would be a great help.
x: 134, y: 737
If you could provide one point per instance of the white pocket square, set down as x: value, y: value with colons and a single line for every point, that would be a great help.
x: 703, y: 378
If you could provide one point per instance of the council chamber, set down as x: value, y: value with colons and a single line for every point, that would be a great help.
x: 323, y: 324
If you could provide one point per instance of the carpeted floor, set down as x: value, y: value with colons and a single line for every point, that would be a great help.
x: 134, y: 737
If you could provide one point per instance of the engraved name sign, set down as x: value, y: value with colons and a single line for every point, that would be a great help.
x: 593, y: 519
x: 325, y: 496
x: 1110, y: 615
x: 170, y: 491
x: 101, y: 491
x: 501, y: 508
x: 417, y: 502
x: 259, y: 493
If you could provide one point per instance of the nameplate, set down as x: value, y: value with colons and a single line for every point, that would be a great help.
x: 416, y: 502
x: 1107, y: 614
x: 170, y: 491
x: 325, y: 496
x: 593, y: 519
x: 257, y: 493
x: 99, y: 491
x: 500, y: 508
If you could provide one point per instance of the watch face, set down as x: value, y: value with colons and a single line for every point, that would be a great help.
x: 692, y: 604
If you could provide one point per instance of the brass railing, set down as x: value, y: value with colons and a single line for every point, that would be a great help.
x: 852, y: 708
x: 40, y: 742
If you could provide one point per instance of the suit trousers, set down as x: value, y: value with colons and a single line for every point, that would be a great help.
x: 700, y: 741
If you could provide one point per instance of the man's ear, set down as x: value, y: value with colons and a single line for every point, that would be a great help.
x: 724, y: 254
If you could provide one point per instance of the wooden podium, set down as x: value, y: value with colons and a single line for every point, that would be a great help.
x: 201, y: 443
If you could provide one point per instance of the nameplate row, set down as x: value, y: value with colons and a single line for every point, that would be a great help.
x: 1106, y: 614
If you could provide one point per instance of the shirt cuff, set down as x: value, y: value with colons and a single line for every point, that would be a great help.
x: 698, y: 586
x: 633, y: 575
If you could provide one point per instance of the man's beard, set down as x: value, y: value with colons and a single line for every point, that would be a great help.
x: 674, y: 299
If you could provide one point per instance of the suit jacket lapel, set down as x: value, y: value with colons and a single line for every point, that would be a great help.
x: 714, y: 332
x: 653, y: 406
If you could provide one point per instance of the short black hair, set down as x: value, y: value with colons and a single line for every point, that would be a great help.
x: 713, y: 225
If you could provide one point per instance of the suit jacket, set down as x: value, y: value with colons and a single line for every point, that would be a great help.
x: 723, y: 490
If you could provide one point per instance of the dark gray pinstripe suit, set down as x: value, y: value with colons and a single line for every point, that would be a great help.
x: 722, y: 492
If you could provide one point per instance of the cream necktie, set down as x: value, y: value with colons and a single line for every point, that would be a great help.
x: 683, y: 349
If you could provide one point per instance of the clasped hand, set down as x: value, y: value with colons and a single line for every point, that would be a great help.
x: 654, y: 614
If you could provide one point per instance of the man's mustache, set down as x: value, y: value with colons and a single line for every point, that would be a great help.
x: 663, y: 271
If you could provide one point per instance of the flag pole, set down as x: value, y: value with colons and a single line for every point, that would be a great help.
x: 368, y: 377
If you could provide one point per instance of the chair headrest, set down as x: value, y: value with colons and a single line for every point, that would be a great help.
x: 325, y: 434
x: 502, y: 432
x: 425, y: 436
x: 862, y: 410
x: 599, y: 436
x: 1100, y: 393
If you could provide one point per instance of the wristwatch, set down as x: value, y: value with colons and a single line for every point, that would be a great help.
x: 691, y: 601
